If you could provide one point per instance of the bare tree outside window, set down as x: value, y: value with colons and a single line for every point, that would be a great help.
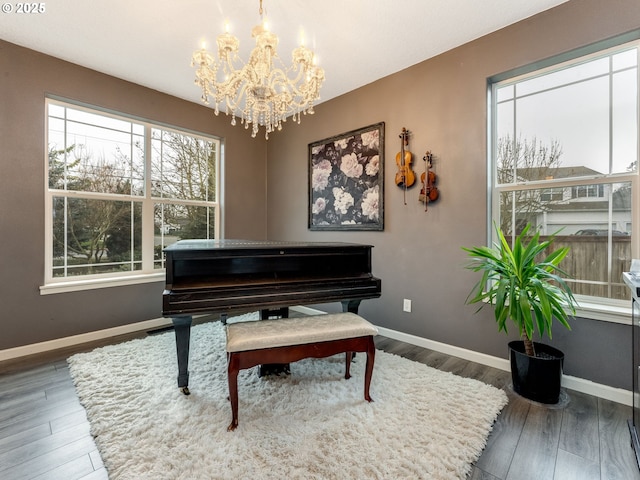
x: 182, y: 170
x: 521, y: 160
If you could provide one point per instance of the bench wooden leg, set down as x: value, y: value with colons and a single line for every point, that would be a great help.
x: 347, y: 368
x: 371, y: 356
x: 233, y: 368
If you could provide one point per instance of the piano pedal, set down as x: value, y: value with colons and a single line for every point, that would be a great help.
x: 275, y: 369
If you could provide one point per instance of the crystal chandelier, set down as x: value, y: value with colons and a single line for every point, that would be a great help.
x: 262, y: 91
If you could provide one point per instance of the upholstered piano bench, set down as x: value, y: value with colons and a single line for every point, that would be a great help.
x: 291, y: 339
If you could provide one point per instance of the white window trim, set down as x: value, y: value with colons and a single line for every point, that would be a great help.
x: 614, y: 313
x: 54, y: 285
x: 95, y: 283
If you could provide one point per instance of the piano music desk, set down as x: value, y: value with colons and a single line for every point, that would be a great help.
x: 291, y: 339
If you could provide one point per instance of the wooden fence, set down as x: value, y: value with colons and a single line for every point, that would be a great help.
x: 587, y: 264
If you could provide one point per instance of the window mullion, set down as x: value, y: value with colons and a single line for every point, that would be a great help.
x: 148, y: 234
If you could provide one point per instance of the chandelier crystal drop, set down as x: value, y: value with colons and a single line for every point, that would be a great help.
x: 262, y: 91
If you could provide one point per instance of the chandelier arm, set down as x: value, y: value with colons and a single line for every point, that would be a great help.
x: 295, y: 86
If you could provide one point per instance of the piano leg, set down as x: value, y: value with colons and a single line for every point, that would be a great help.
x: 268, y: 313
x: 182, y: 327
x: 274, y: 368
x: 350, y: 306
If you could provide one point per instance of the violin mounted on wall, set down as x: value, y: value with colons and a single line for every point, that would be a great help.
x: 405, y: 177
x: 429, y: 191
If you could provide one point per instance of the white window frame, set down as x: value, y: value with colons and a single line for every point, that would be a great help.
x: 597, y: 308
x: 148, y: 273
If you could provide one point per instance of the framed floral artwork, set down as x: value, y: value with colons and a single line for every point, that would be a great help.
x: 346, y: 180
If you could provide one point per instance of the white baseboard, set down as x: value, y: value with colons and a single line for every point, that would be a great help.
x: 23, y: 351
x: 307, y: 310
x: 618, y: 395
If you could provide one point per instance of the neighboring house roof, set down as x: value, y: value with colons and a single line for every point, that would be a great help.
x: 540, y: 173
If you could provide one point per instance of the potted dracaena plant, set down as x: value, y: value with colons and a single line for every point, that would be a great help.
x: 524, y: 285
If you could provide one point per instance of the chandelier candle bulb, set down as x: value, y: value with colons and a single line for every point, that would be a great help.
x: 262, y: 92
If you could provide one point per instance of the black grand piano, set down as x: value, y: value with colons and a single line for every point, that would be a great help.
x: 218, y: 276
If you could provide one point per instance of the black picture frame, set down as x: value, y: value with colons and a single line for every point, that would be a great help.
x: 346, y: 181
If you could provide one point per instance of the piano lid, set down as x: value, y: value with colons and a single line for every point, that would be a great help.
x: 221, y: 244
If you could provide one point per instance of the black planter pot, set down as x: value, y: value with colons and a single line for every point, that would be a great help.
x: 536, y: 378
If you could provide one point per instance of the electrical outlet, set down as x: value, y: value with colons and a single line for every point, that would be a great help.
x: 406, y: 305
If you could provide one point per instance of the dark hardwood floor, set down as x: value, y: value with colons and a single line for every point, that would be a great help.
x: 44, y: 432
x: 585, y: 439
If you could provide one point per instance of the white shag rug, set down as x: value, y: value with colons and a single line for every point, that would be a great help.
x: 313, y: 424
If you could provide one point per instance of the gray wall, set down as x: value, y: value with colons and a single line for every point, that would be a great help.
x: 443, y: 103
x: 25, y: 78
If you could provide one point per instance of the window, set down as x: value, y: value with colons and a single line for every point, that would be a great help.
x: 552, y: 194
x: 119, y: 190
x: 583, y: 191
x: 565, y: 160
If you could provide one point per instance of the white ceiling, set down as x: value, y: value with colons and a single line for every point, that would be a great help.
x: 150, y: 42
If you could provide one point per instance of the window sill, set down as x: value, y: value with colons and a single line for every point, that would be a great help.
x: 605, y: 313
x: 91, y: 284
